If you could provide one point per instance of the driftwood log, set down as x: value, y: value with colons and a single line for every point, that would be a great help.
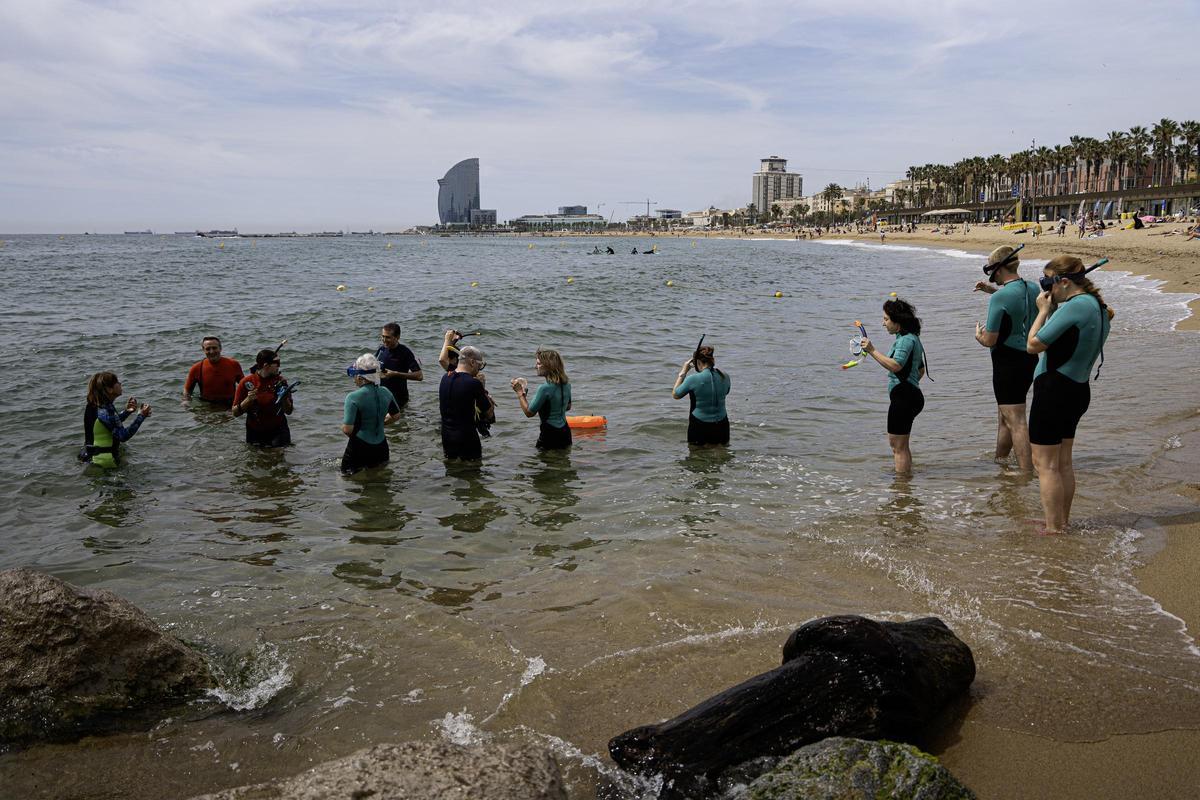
x: 841, y: 676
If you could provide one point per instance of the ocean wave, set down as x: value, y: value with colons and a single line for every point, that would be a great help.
x: 249, y: 682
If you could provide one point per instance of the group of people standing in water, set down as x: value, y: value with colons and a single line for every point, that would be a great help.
x: 1065, y: 321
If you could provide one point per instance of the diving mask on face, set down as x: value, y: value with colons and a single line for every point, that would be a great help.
x: 355, y: 372
x: 1047, y: 281
x: 991, y: 269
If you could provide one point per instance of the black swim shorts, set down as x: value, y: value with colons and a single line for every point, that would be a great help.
x: 1012, y: 375
x: 362, y: 455
x: 1058, y: 405
x: 701, y: 432
x: 465, y: 446
x: 907, y: 402
x: 552, y: 438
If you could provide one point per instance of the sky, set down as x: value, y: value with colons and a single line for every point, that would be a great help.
x: 274, y: 116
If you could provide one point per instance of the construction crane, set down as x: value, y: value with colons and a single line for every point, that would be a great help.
x: 647, y: 201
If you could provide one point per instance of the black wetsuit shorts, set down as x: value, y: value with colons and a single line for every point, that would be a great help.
x: 1058, y: 405
x: 1012, y: 374
x: 701, y: 432
x: 907, y: 402
x: 362, y: 455
x: 271, y: 437
x: 462, y: 445
x: 552, y: 438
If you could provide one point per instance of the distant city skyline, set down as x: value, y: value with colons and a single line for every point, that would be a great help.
x: 272, y: 116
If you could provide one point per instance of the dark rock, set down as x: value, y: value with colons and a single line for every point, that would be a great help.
x: 853, y: 769
x: 418, y: 770
x: 77, y: 661
x: 841, y: 676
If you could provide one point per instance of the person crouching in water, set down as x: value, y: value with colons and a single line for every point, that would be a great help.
x: 905, y: 364
x: 551, y: 401
x: 1011, y: 310
x: 256, y: 397
x: 1069, y: 333
x: 368, y: 408
x: 465, y: 406
x: 708, y: 422
x: 103, y: 430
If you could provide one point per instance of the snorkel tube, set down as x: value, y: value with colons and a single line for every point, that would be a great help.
x: 856, y: 346
x: 991, y: 269
x: 1047, y: 283
x: 696, y: 352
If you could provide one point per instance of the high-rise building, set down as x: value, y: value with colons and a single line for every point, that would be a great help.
x: 566, y: 211
x: 459, y: 193
x: 773, y: 183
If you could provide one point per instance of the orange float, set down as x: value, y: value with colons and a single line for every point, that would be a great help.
x: 586, y: 423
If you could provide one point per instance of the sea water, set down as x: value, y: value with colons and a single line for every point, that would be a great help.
x: 565, y: 597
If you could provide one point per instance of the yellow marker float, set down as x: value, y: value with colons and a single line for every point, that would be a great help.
x: 570, y: 280
x: 341, y: 287
x: 370, y: 288
x: 474, y: 283
x: 670, y: 283
x: 779, y: 294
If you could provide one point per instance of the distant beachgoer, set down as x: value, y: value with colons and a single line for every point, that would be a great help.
x: 397, y: 364
x: 263, y: 397
x: 633, y: 252
x: 551, y: 401
x: 465, y: 406
x: 1011, y: 310
x: 708, y: 420
x: 103, y: 430
x: 1069, y: 332
x: 906, y: 365
x: 1062, y: 227
x: 611, y: 252
x: 366, y: 410
x: 214, y: 375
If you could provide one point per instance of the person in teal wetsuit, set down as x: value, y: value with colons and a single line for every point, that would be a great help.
x: 103, y: 430
x: 906, y: 365
x: 706, y: 389
x: 366, y: 410
x: 1011, y: 310
x: 551, y: 401
x: 1069, y: 334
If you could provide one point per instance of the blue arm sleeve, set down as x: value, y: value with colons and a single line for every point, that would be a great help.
x: 113, y: 423
x: 1063, y: 319
x: 539, y: 397
x: 348, y: 411
x: 902, y: 350
x: 688, y: 386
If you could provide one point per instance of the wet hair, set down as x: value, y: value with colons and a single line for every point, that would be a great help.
x: 267, y: 356
x: 553, y: 364
x: 393, y: 328
x: 904, y: 315
x: 210, y: 339
x: 1003, y: 257
x: 100, y: 387
x: 470, y: 354
x: 370, y: 364
x: 705, y: 355
x: 1068, y: 266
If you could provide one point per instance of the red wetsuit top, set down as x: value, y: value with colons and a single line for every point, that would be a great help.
x: 217, y: 382
x: 264, y: 416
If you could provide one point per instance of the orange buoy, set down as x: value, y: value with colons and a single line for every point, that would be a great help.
x: 587, y: 422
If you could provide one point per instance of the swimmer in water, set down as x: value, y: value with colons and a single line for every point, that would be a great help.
x: 905, y: 364
x: 103, y: 430
x: 551, y: 401
x: 366, y: 410
x: 706, y: 389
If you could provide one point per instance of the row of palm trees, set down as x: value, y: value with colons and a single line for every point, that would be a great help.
x: 1166, y: 154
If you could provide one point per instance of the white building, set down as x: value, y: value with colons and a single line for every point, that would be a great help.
x: 773, y: 183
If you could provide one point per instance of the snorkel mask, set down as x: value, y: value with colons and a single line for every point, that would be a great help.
x: 991, y: 269
x: 696, y: 353
x: 1047, y: 281
x: 355, y: 372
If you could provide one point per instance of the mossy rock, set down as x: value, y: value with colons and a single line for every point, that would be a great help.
x: 855, y: 769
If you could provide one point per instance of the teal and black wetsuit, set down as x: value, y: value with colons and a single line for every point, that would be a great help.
x: 103, y: 434
x: 1074, y: 335
x: 550, y: 402
x: 365, y: 409
x: 904, y: 390
x: 1011, y: 311
x: 708, y: 422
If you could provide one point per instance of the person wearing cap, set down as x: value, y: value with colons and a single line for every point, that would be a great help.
x: 1069, y: 333
x: 398, y: 365
x: 214, y: 375
x: 1011, y: 311
x: 264, y: 398
x: 367, y: 409
x: 465, y: 406
x: 706, y: 389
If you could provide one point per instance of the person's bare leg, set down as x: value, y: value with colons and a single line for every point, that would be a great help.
x: 901, y: 454
x: 1018, y: 428
x: 1045, y: 458
x: 1004, y: 439
x: 1066, y: 475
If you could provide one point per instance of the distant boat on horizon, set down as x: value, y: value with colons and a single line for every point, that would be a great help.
x: 146, y: 232
x: 233, y: 234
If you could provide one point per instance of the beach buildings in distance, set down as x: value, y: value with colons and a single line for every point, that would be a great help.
x: 567, y: 218
x: 773, y: 185
x: 458, y: 197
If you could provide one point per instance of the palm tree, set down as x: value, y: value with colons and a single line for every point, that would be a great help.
x: 796, y: 214
x: 1139, y: 150
x: 1115, y: 152
x: 751, y: 212
x: 776, y: 212
x: 1190, y: 131
x: 901, y: 196
x: 1164, y: 134
x: 830, y: 194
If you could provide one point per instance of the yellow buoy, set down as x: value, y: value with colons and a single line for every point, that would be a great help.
x: 779, y: 294
x: 474, y: 283
x: 370, y: 288
x: 570, y: 280
x: 893, y: 294
x: 530, y: 247
x: 221, y: 246
x: 341, y: 287
x: 670, y: 283
x: 389, y: 246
